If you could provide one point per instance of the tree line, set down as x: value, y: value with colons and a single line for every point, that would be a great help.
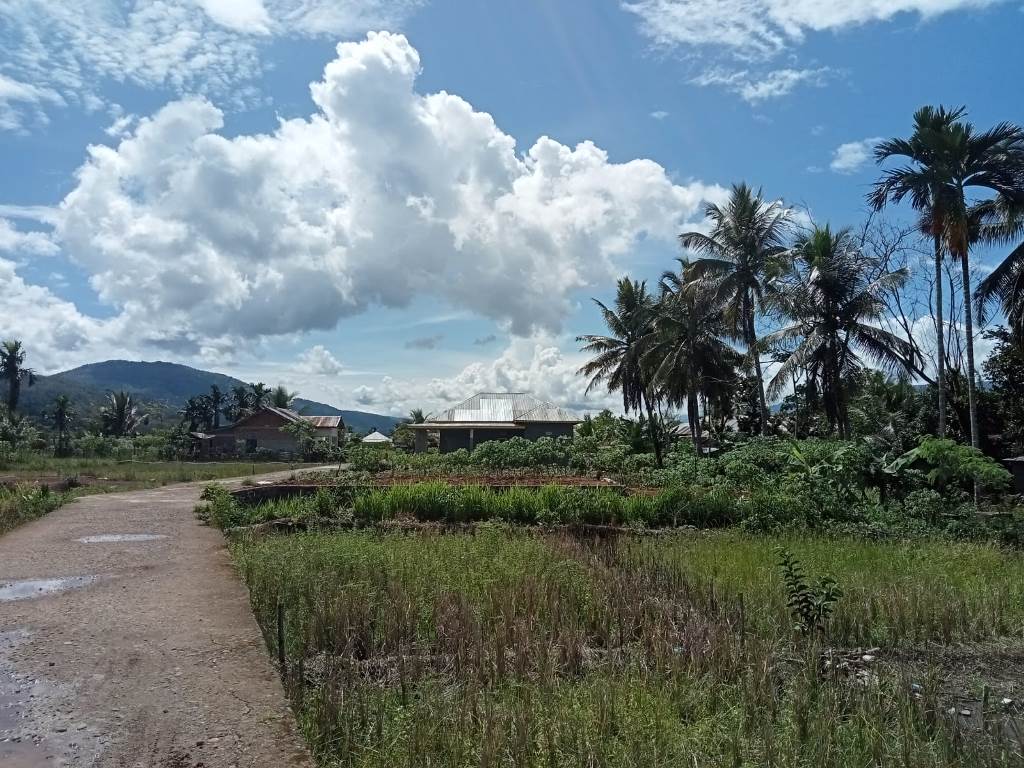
x: 828, y: 306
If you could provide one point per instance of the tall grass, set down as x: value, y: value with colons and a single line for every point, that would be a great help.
x: 512, y: 649
x: 26, y: 502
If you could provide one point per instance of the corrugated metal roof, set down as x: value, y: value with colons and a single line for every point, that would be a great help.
x: 324, y: 422
x: 488, y: 407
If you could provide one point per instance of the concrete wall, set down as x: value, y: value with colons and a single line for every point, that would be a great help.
x: 535, y: 431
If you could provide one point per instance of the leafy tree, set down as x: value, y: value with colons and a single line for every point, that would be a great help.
x: 121, y: 416
x: 197, y: 413
x: 13, y: 370
x: 948, y: 157
x: 61, y: 415
x: 835, y: 309
x: 618, y: 360
x: 688, y: 350
x: 1004, y: 370
x: 280, y: 397
x: 741, y: 254
x: 305, y: 435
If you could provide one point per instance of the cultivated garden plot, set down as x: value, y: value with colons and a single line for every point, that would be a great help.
x: 511, y: 648
x: 789, y: 603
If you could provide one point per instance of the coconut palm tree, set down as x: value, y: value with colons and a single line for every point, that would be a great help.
x: 948, y: 158
x: 197, y: 413
x: 240, y: 403
x: 260, y: 394
x: 280, y: 397
x: 1001, y: 222
x: 417, y: 416
x: 121, y: 417
x: 12, y: 368
x: 738, y: 257
x: 688, y: 349
x: 834, y: 311
x: 618, y: 361
x: 218, y: 402
x: 61, y: 416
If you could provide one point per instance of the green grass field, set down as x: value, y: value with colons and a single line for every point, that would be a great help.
x: 505, y: 648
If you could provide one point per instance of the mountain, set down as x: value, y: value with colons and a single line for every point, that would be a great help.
x: 163, y: 389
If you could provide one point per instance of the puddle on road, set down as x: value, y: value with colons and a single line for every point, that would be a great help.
x: 30, y: 588
x: 111, y: 538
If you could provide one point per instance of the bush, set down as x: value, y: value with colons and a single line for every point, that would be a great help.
x: 221, y: 508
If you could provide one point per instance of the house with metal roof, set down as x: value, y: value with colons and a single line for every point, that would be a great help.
x: 261, y: 431
x: 495, y: 416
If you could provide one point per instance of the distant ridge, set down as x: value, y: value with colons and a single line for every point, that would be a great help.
x: 164, y: 388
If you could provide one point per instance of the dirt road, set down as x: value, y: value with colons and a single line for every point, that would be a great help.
x: 133, y: 651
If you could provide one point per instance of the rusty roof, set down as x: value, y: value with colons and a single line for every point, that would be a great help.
x: 324, y: 422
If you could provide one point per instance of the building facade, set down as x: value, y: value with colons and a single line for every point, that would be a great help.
x: 495, y: 416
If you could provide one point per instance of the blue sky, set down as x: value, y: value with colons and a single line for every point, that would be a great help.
x: 433, y: 219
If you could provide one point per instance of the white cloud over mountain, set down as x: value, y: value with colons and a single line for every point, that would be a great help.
x: 204, y: 247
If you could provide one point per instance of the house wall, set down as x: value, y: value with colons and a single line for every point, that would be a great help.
x: 454, y: 439
x: 539, y: 429
x: 265, y: 429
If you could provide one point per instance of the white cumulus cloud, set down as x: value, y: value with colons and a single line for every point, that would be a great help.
x: 853, y: 155
x: 319, y: 361
x: 382, y: 194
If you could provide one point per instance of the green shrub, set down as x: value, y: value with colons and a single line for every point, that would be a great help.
x: 221, y: 509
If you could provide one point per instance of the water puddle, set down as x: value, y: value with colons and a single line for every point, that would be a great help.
x: 111, y: 538
x: 30, y: 588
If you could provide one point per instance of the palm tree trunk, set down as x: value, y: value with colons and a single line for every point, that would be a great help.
x: 972, y: 405
x: 652, y: 428
x: 939, y: 335
x: 751, y: 341
x: 693, y: 414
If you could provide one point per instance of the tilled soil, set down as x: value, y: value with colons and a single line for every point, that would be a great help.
x: 133, y: 653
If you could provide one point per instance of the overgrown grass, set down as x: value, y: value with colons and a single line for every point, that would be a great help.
x: 511, y: 649
x: 98, y: 475
x: 26, y: 502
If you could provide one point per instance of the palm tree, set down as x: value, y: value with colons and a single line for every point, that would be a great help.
x: 948, y: 156
x: 218, y: 402
x: 12, y: 368
x: 280, y: 397
x: 618, y: 361
x: 834, y: 310
x: 197, y: 413
x: 1002, y: 222
x: 417, y: 416
x: 240, y: 404
x: 260, y: 393
x: 61, y: 415
x: 688, y: 348
x: 121, y: 417
x: 738, y: 257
